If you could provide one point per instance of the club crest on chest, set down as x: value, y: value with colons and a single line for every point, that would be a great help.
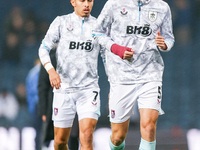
x: 153, y: 15
x: 70, y: 27
x: 124, y: 11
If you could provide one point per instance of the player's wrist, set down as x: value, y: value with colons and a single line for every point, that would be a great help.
x: 119, y: 50
x: 164, y: 47
x: 48, y: 66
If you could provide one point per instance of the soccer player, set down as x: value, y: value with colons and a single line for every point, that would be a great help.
x: 75, y: 79
x: 133, y: 32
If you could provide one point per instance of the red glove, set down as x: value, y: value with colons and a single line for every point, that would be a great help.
x: 119, y: 50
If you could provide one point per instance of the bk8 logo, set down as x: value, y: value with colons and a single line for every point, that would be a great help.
x: 139, y: 30
x: 88, y: 46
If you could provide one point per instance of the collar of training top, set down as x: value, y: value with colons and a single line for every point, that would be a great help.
x: 144, y: 1
x: 81, y: 18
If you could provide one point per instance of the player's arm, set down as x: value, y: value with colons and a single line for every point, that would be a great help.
x: 101, y: 33
x: 165, y: 38
x: 160, y: 41
x: 122, y: 51
x: 101, y: 30
x: 47, y: 44
x: 53, y: 75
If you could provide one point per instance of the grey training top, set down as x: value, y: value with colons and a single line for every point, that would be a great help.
x: 77, y: 51
x: 134, y: 24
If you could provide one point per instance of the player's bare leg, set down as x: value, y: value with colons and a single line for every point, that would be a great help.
x: 148, y: 120
x: 86, y: 129
x: 61, y: 138
x: 119, y: 132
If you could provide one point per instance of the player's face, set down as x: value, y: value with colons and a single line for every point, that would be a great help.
x: 82, y: 7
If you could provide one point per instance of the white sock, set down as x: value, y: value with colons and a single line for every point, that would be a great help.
x: 145, y: 145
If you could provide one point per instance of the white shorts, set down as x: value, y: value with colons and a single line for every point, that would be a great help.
x: 123, y: 97
x: 65, y: 105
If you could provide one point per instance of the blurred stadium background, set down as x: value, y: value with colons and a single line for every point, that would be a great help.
x: 23, y: 24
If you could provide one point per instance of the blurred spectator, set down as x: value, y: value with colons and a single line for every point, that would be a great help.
x: 32, y: 99
x: 11, y: 48
x: 18, y: 48
x: 10, y: 60
x: 29, y: 55
x: 15, y: 22
x: 21, y: 94
x: 182, y: 16
x: 29, y: 51
x: 30, y: 42
x: 24, y: 118
x: 8, y: 105
x: 29, y: 21
x: 31, y: 26
x: 21, y: 38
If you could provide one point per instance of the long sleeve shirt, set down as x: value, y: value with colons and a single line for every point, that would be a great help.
x: 77, y: 51
x: 134, y: 24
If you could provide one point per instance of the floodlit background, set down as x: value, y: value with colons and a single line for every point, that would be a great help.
x: 23, y: 24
